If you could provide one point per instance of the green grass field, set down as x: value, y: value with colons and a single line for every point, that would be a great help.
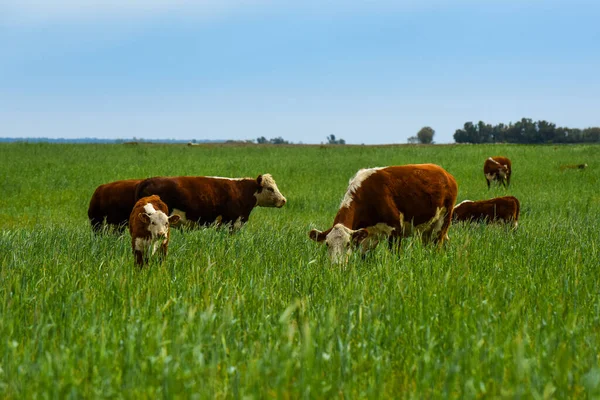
x: 263, y: 314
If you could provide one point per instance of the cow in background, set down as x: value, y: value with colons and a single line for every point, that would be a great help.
x: 112, y: 203
x: 500, y: 209
x: 207, y: 200
x: 391, y: 202
x: 149, y: 228
x: 497, y: 169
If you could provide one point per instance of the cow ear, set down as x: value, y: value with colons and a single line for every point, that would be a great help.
x: 359, y: 235
x: 259, y: 180
x: 173, y: 219
x: 144, y: 217
x: 316, y: 235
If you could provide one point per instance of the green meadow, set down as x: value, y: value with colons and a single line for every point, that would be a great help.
x: 262, y: 313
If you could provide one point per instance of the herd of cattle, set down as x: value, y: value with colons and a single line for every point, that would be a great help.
x: 380, y: 203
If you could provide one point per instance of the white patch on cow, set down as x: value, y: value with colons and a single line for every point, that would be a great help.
x: 148, y: 245
x: 237, y: 225
x: 462, y: 202
x: 355, y: 183
x: 376, y: 233
x: 428, y: 230
x: 269, y: 196
x: 149, y: 209
x: 490, y: 177
x: 494, y: 161
x: 229, y: 179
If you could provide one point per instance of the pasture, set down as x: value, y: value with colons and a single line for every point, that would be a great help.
x: 263, y: 314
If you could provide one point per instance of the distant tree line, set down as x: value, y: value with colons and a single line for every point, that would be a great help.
x: 279, y: 140
x: 525, y: 131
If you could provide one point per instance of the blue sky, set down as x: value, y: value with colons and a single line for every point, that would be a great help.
x: 367, y: 71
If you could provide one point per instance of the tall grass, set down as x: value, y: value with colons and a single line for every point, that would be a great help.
x: 262, y: 313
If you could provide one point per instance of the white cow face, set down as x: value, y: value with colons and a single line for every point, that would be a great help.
x: 339, y: 241
x: 157, y: 222
x: 268, y: 195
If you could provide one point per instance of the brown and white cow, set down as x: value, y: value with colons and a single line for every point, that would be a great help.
x: 500, y: 209
x: 392, y: 202
x: 207, y: 200
x: 112, y: 202
x: 497, y: 169
x: 149, y: 228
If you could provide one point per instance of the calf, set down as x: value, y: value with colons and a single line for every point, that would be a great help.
x: 497, y: 169
x: 392, y: 202
x: 502, y: 209
x: 206, y: 200
x: 149, y: 228
x: 112, y: 202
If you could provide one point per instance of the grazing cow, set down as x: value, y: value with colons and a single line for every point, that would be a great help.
x: 392, y: 202
x: 149, y: 228
x: 205, y: 200
x: 502, y: 209
x: 112, y: 202
x: 497, y: 169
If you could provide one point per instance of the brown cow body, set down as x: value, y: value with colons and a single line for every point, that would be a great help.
x: 149, y: 228
x: 112, y: 202
x: 497, y: 169
x: 201, y: 200
x: 392, y: 202
x: 501, y: 209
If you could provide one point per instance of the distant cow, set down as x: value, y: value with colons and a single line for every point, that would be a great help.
x: 113, y: 202
x: 205, y: 200
x: 392, y: 202
x: 502, y: 209
x: 149, y: 228
x: 497, y: 169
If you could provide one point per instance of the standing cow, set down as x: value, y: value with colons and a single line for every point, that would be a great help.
x: 500, y: 209
x: 497, y: 169
x: 112, y: 202
x: 149, y: 228
x: 392, y: 202
x: 206, y: 200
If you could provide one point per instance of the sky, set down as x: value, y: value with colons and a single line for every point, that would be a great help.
x: 371, y: 72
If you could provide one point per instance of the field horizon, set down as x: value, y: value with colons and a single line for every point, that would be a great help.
x: 263, y: 314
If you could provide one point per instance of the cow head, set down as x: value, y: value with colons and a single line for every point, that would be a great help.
x: 157, y: 222
x: 268, y: 195
x: 339, y: 241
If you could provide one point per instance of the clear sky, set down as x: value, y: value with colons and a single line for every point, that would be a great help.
x: 366, y: 71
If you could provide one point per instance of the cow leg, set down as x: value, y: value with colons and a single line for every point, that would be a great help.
x: 443, y: 233
x: 488, y: 182
x: 139, y: 258
x: 394, y: 242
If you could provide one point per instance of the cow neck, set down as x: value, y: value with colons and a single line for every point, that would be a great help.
x: 345, y: 216
x: 248, y: 187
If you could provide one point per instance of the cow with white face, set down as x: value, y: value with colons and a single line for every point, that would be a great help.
x: 211, y: 200
x: 149, y: 228
x: 497, y: 169
x: 393, y: 203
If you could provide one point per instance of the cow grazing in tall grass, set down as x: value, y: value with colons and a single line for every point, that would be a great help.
x: 112, y: 203
x: 393, y: 203
x: 149, y: 228
x: 205, y: 200
x: 500, y: 209
x: 497, y: 169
